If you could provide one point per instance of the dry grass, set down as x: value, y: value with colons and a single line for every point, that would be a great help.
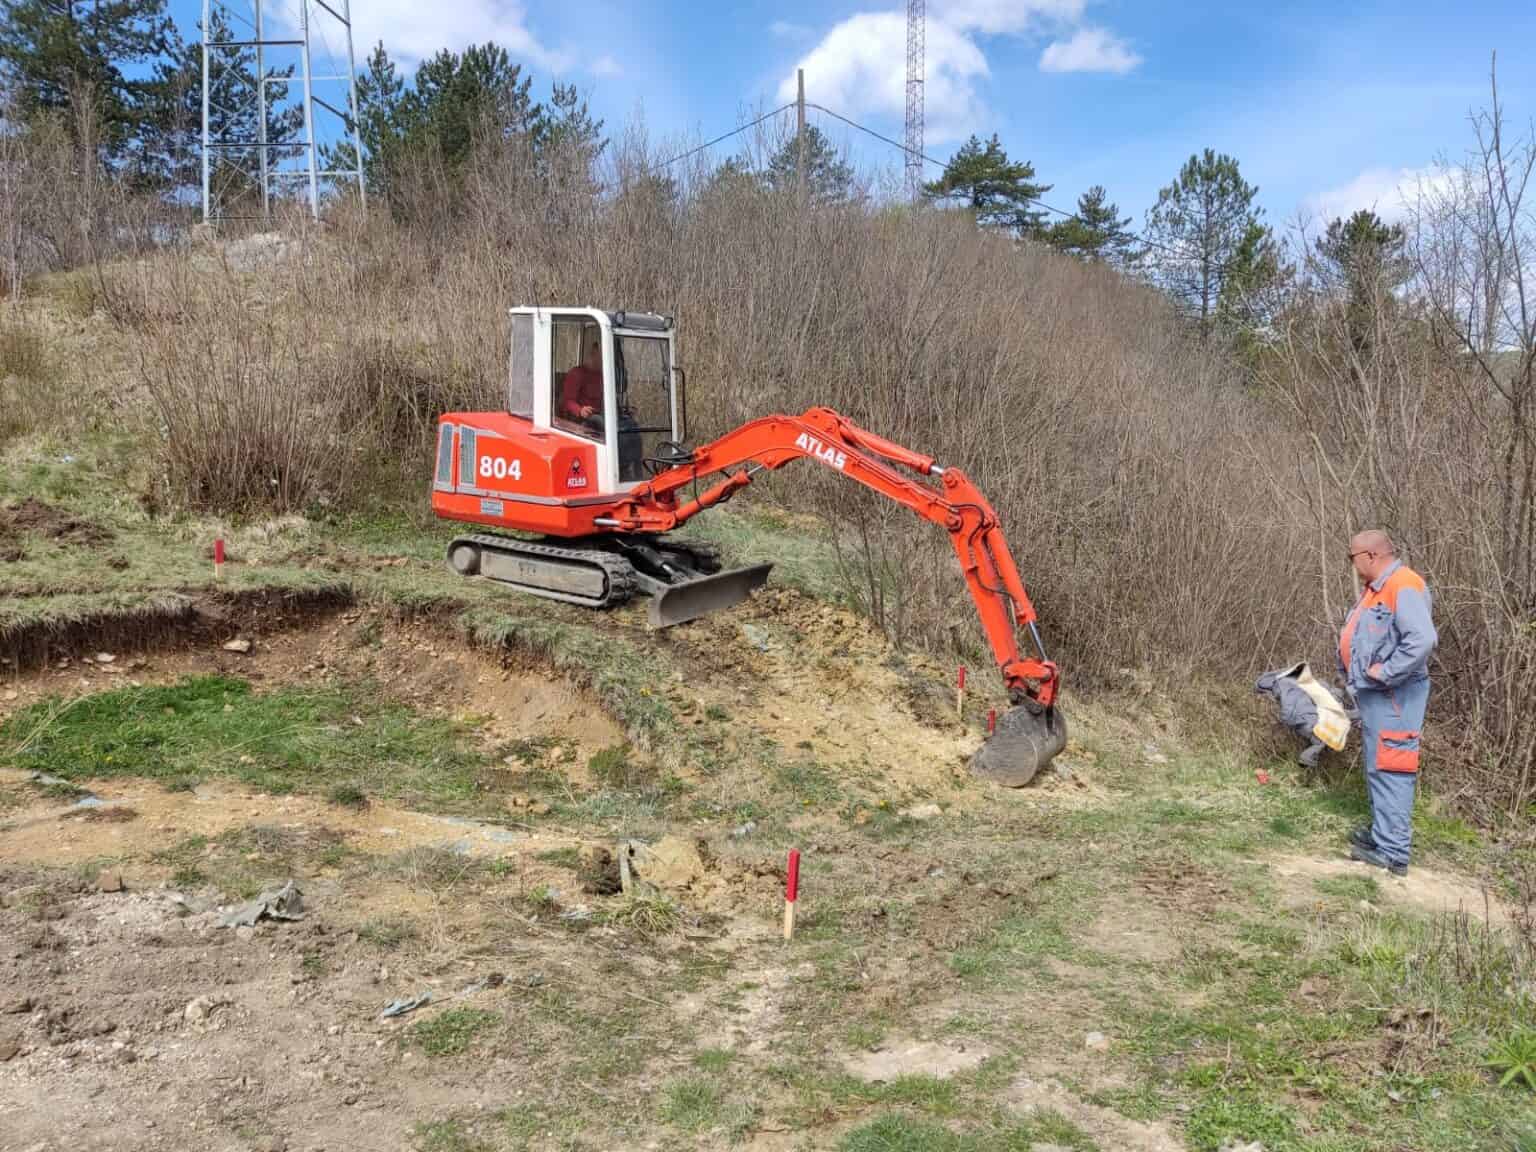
x: 1172, y: 504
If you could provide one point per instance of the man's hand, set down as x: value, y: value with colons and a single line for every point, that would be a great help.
x: 1375, y: 672
x: 587, y: 410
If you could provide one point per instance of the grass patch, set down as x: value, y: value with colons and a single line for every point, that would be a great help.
x: 692, y: 1104
x: 567, y: 857
x: 448, y: 1136
x: 451, y: 1032
x: 333, y: 739
x: 714, y: 1059
x: 1513, y: 1059
x: 645, y: 915
x: 387, y: 932
x: 347, y: 796
x: 1350, y: 888
x: 617, y: 768
x: 1224, y: 1117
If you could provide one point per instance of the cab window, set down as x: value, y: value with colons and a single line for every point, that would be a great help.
x: 576, y: 349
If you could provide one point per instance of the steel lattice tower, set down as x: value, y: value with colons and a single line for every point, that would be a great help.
x: 267, y: 112
x: 916, y: 16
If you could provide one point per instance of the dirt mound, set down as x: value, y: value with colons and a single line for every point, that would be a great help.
x: 817, y: 679
x: 42, y: 519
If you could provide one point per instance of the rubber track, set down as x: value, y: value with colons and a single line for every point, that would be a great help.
x: 621, y: 575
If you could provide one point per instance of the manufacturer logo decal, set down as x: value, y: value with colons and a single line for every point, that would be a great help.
x: 826, y: 454
x: 576, y: 478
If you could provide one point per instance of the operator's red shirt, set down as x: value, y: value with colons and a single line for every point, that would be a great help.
x: 581, y: 388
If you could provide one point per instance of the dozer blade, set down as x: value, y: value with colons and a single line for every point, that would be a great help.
x: 1026, y: 739
x: 678, y: 603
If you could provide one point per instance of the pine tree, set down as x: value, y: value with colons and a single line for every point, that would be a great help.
x: 1196, y: 229
x: 54, y: 52
x: 456, y: 96
x: 1096, y: 233
x: 827, y: 178
x: 380, y: 126
x: 1001, y: 192
x: 1364, y: 260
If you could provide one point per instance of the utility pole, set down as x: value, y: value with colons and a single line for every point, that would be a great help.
x: 800, y: 131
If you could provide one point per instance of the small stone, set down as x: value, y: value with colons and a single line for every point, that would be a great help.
x: 11, y: 695
x: 245, y: 933
x: 105, y: 658
x: 109, y: 880
x: 10, y: 1047
x: 1096, y: 1041
x: 238, y: 645
x: 921, y: 812
x: 201, y: 1008
x: 17, y: 1007
x: 539, y: 808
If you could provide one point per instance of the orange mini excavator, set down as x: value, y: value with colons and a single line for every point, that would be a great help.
x: 589, y: 457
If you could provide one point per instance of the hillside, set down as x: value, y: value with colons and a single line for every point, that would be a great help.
x: 1158, y: 945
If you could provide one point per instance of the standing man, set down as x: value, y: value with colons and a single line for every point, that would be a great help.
x: 1384, y: 654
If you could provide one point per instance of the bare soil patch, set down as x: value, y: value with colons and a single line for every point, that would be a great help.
x: 1423, y: 889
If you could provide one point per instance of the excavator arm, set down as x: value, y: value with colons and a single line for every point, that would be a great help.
x: 956, y: 505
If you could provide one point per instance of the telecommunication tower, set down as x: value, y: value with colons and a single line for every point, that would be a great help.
x: 916, y: 16
x: 280, y: 119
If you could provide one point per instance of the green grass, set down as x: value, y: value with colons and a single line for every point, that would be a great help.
x: 896, y: 1132
x: 1350, y: 888
x: 451, y: 1032
x: 337, y: 740
x: 448, y: 1136
x: 1513, y: 1059
x: 692, y: 1104
x: 387, y: 932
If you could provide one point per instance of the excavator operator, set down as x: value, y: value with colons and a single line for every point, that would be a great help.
x: 581, y: 392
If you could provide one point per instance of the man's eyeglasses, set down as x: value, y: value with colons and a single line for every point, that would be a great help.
x: 1352, y: 555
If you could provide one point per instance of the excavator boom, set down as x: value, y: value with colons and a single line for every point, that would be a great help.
x: 1030, y: 733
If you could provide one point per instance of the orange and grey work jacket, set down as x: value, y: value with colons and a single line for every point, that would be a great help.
x: 1391, y: 627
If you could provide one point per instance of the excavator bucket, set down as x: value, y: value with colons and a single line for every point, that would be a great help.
x: 1027, y: 737
x: 691, y: 599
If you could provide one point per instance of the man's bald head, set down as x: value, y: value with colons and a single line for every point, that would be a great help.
x: 1372, y: 553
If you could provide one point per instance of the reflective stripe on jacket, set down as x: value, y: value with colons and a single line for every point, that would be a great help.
x: 1391, y: 625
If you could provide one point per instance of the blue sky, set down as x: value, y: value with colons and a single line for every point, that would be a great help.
x: 1327, y: 106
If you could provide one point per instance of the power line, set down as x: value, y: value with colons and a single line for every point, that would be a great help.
x: 725, y: 136
x: 1062, y: 212
x: 1140, y: 238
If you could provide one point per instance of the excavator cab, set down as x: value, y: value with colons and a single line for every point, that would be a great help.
x: 608, y: 379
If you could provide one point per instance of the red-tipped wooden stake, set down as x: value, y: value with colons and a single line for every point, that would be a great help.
x: 218, y: 559
x: 991, y: 721
x: 960, y: 694
x: 791, y: 893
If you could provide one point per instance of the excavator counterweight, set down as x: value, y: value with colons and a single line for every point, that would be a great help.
x: 589, y: 457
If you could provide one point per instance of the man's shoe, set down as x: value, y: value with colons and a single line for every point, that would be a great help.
x: 1361, y: 838
x: 1376, y: 860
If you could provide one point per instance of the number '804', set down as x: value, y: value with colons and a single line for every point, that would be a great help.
x: 501, y: 469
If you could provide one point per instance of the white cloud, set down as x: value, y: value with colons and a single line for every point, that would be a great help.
x: 1389, y: 192
x: 860, y: 65
x: 785, y: 30
x: 1089, y: 50
x: 1005, y: 17
x: 412, y: 30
